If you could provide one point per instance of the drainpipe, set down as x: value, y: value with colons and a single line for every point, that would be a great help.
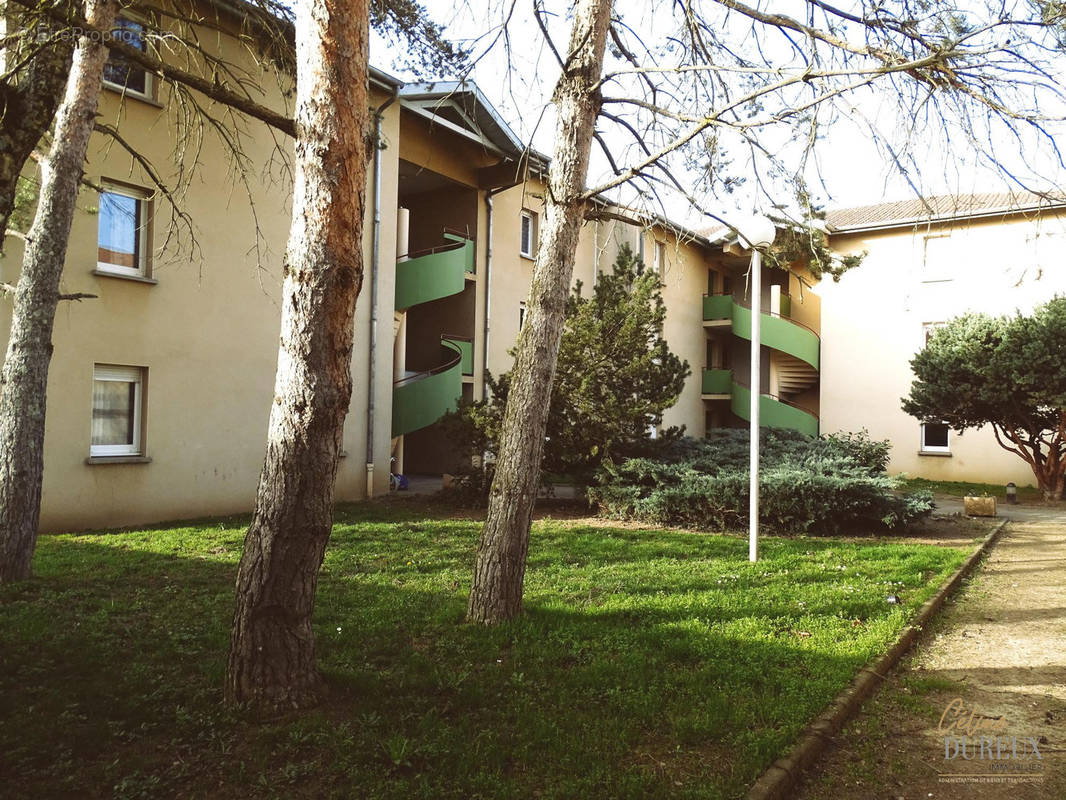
x: 375, y: 252
x: 399, y: 327
x: 488, y: 298
x: 595, y: 253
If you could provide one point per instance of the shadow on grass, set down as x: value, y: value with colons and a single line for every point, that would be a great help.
x: 112, y: 663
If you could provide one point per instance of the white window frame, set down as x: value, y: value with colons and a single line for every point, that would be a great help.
x: 658, y: 256
x: 935, y: 448
x: 525, y: 247
x: 927, y: 331
x: 140, y: 270
x: 149, y: 78
x: 521, y: 315
x: 935, y: 273
x: 134, y: 375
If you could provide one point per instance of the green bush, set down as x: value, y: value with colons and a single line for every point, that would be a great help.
x: 827, y: 485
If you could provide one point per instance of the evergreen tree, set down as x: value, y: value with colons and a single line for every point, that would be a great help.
x: 616, y: 377
x: 1005, y: 372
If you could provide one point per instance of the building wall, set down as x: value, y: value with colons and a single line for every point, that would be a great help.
x: 206, y: 327
x: 872, y: 325
x: 352, y: 472
x: 206, y: 331
x: 684, y: 277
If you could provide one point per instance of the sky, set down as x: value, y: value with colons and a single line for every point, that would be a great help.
x: 517, y: 74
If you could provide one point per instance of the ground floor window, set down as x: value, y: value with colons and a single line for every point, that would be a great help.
x: 935, y: 437
x: 117, y: 411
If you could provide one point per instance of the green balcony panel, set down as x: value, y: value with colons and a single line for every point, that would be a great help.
x: 420, y: 401
x: 780, y: 334
x: 466, y: 347
x: 717, y: 381
x: 773, y: 413
x: 435, y: 275
x: 717, y: 307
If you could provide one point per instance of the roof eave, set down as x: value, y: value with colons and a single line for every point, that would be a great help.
x: 384, y: 80
x: 911, y: 222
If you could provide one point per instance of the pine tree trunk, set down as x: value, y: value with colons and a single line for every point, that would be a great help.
x: 27, y: 108
x: 24, y: 376
x: 272, y: 655
x: 500, y: 566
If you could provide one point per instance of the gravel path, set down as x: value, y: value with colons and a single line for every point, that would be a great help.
x: 999, y: 652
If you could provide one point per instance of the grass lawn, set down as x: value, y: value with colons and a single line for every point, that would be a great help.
x: 965, y: 489
x: 649, y: 663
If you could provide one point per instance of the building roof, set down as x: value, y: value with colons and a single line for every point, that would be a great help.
x: 461, y: 107
x: 942, y: 208
x: 383, y: 78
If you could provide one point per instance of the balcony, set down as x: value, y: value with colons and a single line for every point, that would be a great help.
x: 718, y: 382
x: 432, y: 274
x: 718, y: 307
x: 466, y: 347
x: 778, y: 331
x: 773, y: 412
x: 421, y: 399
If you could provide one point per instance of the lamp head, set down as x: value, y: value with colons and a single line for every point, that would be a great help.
x: 756, y: 231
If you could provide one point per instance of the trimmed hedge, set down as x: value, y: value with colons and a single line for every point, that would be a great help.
x: 828, y: 485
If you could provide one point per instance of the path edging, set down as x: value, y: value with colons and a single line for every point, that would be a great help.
x: 781, y: 776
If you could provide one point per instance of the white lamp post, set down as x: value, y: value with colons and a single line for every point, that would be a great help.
x: 756, y: 233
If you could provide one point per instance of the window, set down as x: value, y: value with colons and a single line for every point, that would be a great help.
x: 659, y: 257
x: 927, y: 330
x: 118, y: 396
x: 935, y: 437
x: 712, y: 281
x: 119, y: 72
x: 521, y: 315
x: 937, y: 259
x: 529, y: 234
x: 122, y: 232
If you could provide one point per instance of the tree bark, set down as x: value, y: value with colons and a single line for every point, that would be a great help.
x: 1049, y: 468
x: 24, y: 376
x: 500, y: 565
x: 271, y: 666
x: 27, y: 108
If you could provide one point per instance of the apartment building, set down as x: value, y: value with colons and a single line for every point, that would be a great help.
x: 160, y: 388
x: 927, y: 262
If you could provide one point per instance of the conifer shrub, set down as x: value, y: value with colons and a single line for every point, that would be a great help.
x: 823, y: 486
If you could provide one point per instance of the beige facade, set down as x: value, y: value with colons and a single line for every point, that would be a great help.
x: 199, y: 325
x: 989, y: 254
x: 191, y: 330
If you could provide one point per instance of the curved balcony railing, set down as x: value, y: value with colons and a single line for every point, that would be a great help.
x: 431, y: 274
x: 421, y: 399
x: 774, y: 412
x: 466, y: 347
x: 778, y: 331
